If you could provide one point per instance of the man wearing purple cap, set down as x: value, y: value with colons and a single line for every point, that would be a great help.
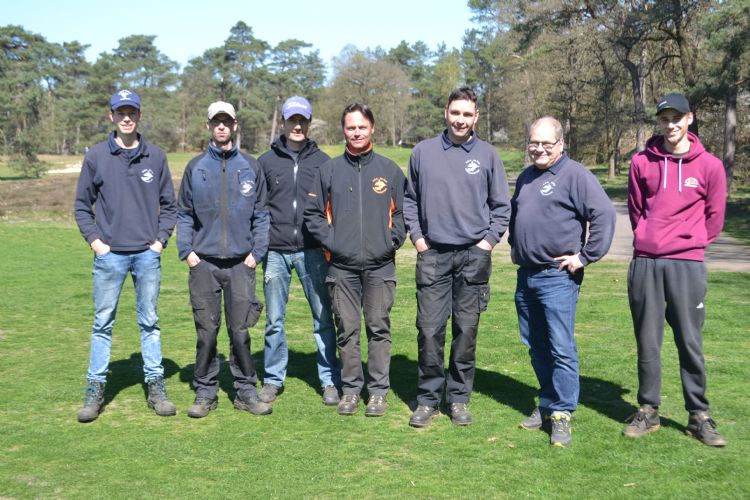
x: 290, y: 167
x: 222, y: 233
x: 676, y: 201
x: 129, y: 182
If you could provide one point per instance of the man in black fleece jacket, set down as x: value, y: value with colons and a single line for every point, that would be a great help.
x: 355, y: 212
x: 290, y: 168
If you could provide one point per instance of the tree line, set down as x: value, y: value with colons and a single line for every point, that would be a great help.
x: 597, y: 65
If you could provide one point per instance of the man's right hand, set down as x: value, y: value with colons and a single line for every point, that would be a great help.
x: 192, y: 259
x: 421, y: 245
x: 99, y: 247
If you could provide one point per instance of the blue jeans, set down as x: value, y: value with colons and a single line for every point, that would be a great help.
x: 546, y: 304
x: 311, y: 268
x: 110, y: 271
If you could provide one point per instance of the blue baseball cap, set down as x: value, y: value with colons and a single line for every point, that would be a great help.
x: 296, y: 106
x: 124, y: 97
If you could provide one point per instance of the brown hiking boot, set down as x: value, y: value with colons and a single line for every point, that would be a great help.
x: 92, y: 402
x: 376, y: 406
x: 157, y: 398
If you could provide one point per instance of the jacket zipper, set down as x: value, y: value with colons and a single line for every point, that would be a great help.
x: 361, y: 217
x: 223, y: 207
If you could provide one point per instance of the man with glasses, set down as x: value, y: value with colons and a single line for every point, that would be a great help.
x: 554, y: 200
x: 290, y: 168
x: 456, y: 209
x: 676, y: 199
x: 222, y: 234
x: 127, y: 179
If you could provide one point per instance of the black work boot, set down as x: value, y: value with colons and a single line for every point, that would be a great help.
x: 157, y: 398
x: 92, y: 402
x: 422, y: 416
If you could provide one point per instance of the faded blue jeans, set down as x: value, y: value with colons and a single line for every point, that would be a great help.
x: 311, y: 268
x: 110, y: 271
x: 546, y: 302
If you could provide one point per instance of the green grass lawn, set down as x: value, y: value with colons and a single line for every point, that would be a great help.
x: 305, y: 449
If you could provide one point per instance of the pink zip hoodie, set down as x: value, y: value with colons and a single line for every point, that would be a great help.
x: 676, y: 203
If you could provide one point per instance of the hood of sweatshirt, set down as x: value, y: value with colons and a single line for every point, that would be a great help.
x: 656, y: 152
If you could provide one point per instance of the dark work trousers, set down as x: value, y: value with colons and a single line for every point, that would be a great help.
x: 450, y: 282
x: 681, y: 286
x: 207, y: 281
x: 371, y: 291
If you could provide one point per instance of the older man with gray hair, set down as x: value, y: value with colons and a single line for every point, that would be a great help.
x: 554, y: 201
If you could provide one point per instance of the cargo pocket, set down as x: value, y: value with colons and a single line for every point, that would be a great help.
x: 426, y: 269
x: 253, y: 313
x: 331, y: 286
x: 477, y: 275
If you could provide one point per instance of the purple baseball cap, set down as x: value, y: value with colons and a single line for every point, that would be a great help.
x: 296, y: 106
x: 124, y: 97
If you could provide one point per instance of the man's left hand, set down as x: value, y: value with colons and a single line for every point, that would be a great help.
x: 484, y: 245
x: 250, y: 261
x: 157, y: 246
x: 571, y: 262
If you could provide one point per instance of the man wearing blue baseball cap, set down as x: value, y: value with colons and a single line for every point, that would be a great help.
x: 125, y: 210
x: 290, y: 167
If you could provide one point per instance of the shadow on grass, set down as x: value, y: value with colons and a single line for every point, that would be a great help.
x: 125, y: 373
x: 605, y: 398
x: 226, y: 379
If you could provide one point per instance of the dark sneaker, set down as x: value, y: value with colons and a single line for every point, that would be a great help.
x: 562, y: 426
x: 376, y: 406
x: 269, y: 392
x: 642, y: 422
x: 331, y: 395
x: 422, y: 416
x: 535, y: 421
x: 201, y: 407
x: 92, y: 402
x: 348, y: 404
x: 157, y: 398
x: 703, y: 428
x: 251, y: 403
x: 460, y: 414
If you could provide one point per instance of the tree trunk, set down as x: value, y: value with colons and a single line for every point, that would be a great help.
x: 639, y: 106
x: 730, y: 128
x: 275, y: 119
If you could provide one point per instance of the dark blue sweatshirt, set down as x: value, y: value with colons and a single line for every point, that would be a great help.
x: 133, y: 194
x: 550, y: 210
x: 221, y: 208
x: 457, y: 194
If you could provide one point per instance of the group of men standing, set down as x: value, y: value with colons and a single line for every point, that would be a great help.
x: 338, y: 223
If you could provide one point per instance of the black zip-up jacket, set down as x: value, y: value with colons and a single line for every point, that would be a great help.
x: 355, y: 210
x: 133, y: 194
x: 287, y: 189
x: 221, y: 208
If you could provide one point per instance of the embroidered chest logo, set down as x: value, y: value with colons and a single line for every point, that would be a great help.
x: 547, y: 188
x: 691, y: 182
x: 472, y: 167
x: 379, y: 185
x: 246, y: 188
x: 147, y: 175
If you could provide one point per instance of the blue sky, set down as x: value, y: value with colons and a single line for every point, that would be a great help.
x: 185, y: 29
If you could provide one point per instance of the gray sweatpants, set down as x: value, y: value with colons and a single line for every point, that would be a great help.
x: 674, y: 290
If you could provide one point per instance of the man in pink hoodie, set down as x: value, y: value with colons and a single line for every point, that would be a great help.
x: 676, y: 201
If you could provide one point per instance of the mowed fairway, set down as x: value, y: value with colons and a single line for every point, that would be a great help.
x: 305, y: 449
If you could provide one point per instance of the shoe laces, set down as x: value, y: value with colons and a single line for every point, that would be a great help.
x: 157, y: 388
x: 707, y: 426
x: 560, y: 423
x: 94, y: 393
x: 377, y: 399
x: 349, y: 398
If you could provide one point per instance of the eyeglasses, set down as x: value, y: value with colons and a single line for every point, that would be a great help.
x: 547, y: 146
x: 228, y: 122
